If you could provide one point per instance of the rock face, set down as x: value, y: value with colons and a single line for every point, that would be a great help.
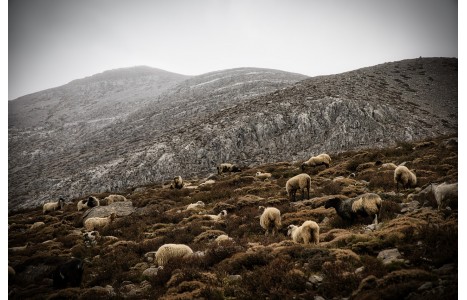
x: 244, y: 116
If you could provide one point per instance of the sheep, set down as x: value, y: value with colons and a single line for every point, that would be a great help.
x: 227, y: 167
x: 91, y: 238
x: 309, y: 231
x: 114, y: 198
x: 270, y: 219
x: 445, y: 194
x: 87, y: 203
x: 365, y: 205
x: 98, y: 223
x: 195, y: 205
x: 322, y: 159
x: 222, y: 237
x: 405, y: 177
x: 263, y: 176
x: 52, y: 206
x: 70, y: 273
x: 387, y: 166
x: 219, y: 216
x: 171, y: 251
x: 177, y: 183
x: 300, y: 181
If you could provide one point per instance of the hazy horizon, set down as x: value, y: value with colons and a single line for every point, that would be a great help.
x: 51, y: 43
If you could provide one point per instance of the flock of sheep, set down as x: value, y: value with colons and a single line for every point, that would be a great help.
x: 366, y: 205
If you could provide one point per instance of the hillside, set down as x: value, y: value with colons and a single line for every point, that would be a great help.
x: 230, y: 116
x: 423, y: 241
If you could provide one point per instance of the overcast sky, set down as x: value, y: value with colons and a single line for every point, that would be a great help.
x: 51, y: 42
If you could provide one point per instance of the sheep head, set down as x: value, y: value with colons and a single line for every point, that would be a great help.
x: 290, y: 229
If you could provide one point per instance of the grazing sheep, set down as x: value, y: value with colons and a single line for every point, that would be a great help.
x: 171, y: 251
x: 270, y: 219
x: 177, y: 183
x: 114, y: 198
x: 98, y: 223
x: 52, y: 206
x: 298, y: 182
x: 263, y: 176
x: 445, y: 194
x: 195, y: 205
x: 70, y: 273
x: 405, y: 177
x: 322, y: 159
x: 88, y: 203
x: 309, y: 231
x: 226, y: 167
x: 364, y: 205
x: 219, y: 216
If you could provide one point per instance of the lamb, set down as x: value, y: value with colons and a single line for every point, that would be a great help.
x: 70, y: 273
x: 227, y: 167
x: 52, y: 206
x: 405, y: 177
x: 88, y: 203
x: 322, y: 159
x: 270, y: 219
x: 219, y: 216
x: 309, y: 231
x: 300, y: 181
x: 263, y: 176
x: 365, y: 205
x: 445, y: 194
x: 171, y: 251
x: 195, y: 205
x: 114, y: 198
x: 98, y: 223
x: 177, y: 183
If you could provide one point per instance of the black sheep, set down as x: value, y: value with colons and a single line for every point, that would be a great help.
x: 69, y: 273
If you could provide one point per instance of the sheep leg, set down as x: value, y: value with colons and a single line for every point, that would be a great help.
x: 375, y: 221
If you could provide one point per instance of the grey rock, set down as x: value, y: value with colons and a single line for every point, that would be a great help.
x: 390, y: 255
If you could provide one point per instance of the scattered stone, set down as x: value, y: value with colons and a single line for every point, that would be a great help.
x: 390, y: 255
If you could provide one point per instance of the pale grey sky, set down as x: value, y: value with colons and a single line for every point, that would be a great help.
x: 51, y: 42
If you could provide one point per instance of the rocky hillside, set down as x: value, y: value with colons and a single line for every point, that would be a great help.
x: 212, y: 119
x: 411, y: 254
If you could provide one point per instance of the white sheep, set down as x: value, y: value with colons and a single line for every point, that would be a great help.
x: 219, y: 216
x: 388, y: 166
x: 114, y: 198
x: 227, y: 167
x: 445, y: 194
x: 223, y: 237
x: 368, y: 204
x: 52, y: 206
x: 322, y: 159
x: 195, y: 205
x: 171, y: 251
x: 263, y: 176
x: 298, y: 182
x: 405, y: 177
x: 270, y: 219
x: 98, y: 222
x: 177, y: 183
x: 87, y: 203
x: 309, y: 231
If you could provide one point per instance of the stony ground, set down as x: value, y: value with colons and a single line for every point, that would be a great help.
x: 412, y: 254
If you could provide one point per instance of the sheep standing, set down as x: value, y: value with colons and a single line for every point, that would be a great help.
x: 98, y: 222
x: 263, y: 176
x: 270, y: 219
x: 298, y: 182
x: 177, y: 183
x: 227, y: 167
x: 445, y: 194
x: 405, y: 177
x: 322, y: 159
x: 171, y: 251
x: 365, y: 205
x: 114, y: 198
x: 309, y: 231
x: 52, y: 206
x: 88, y: 203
